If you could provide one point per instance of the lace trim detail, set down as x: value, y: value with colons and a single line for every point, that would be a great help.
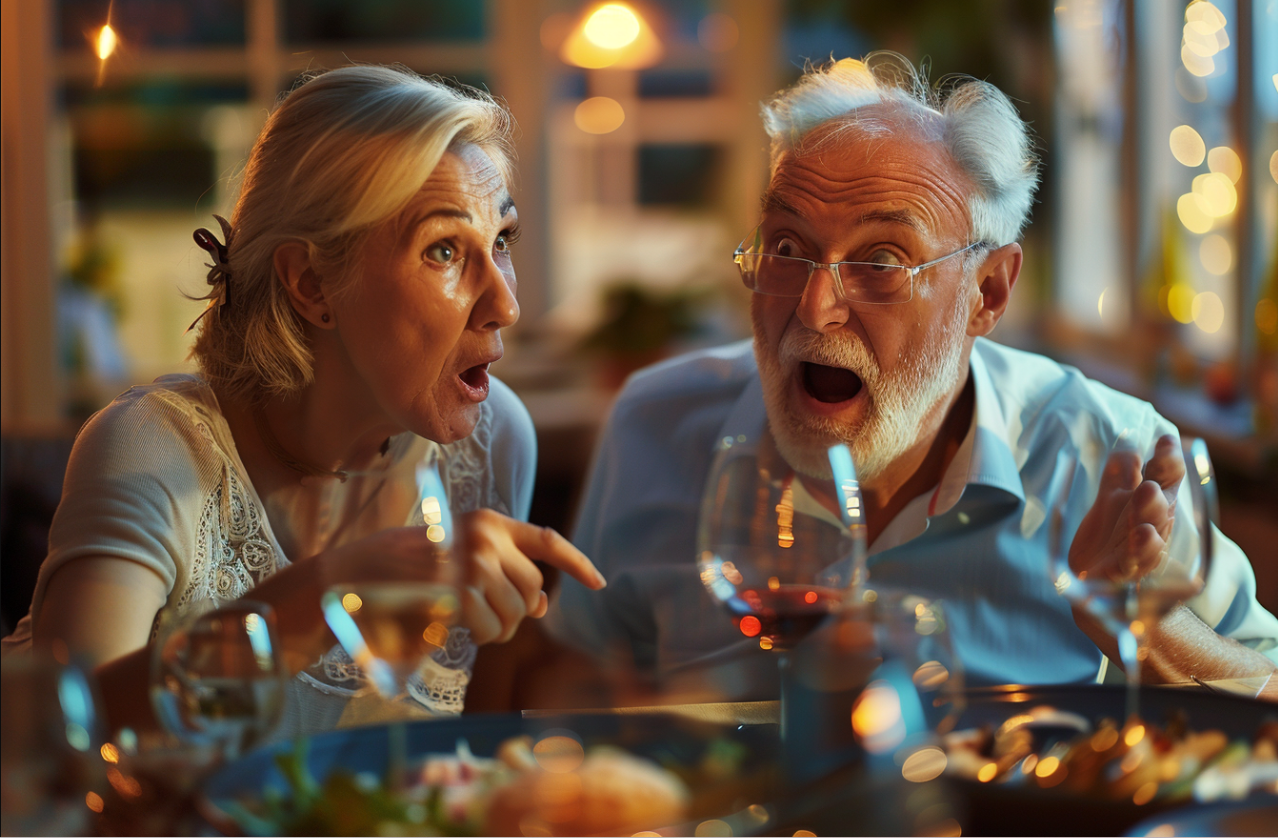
x: 233, y: 553
x: 469, y: 472
x: 439, y: 684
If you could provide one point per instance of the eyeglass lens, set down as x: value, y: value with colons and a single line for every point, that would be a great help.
x: 863, y: 281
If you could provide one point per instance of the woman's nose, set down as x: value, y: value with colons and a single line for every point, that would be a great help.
x: 822, y: 307
x: 497, y: 308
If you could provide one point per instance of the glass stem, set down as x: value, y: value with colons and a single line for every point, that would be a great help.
x: 1129, y: 651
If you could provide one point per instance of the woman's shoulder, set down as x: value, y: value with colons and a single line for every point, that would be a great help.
x: 156, y: 422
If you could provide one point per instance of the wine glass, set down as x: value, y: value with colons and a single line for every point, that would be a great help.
x: 400, y: 634
x: 218, y: 679
x: 1127, y: 609
x: 778, y: 549
x: 51, y: 771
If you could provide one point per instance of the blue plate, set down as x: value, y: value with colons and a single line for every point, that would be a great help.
x: 670, y: 741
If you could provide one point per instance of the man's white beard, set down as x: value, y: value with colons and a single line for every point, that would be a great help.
x: 898, y: 402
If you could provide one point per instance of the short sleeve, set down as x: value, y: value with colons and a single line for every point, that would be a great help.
x: 133, y: 490
x: 512, y: 449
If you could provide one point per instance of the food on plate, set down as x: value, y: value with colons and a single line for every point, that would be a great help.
x: 1139, y: 761
x: 552, y: 788
x: 609, y: 792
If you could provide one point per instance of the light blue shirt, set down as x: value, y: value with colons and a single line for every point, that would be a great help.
x: 978, y: 540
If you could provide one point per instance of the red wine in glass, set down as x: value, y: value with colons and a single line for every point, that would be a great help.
x: 782, y: 616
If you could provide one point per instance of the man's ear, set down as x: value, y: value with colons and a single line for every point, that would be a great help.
x: 995, y: 279
x: 305, y: 291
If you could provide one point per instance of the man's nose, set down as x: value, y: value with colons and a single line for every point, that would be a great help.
x: 822, y: 307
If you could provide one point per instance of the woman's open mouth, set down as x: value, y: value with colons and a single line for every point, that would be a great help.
x: 475, y: 381
x: 829, y: 385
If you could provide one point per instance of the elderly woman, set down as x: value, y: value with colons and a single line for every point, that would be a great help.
x: 356, y: 305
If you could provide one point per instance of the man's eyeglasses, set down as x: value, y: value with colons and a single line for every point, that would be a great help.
x: 857, y: 282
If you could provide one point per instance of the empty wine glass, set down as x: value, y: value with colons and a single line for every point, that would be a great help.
x: 779, y: 549
x: 218, y: 679
x: 1127, y: 609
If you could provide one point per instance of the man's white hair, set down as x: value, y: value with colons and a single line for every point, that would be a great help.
x: 979, y: 127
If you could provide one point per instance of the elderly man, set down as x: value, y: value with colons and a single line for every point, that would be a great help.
x: 963, y: 446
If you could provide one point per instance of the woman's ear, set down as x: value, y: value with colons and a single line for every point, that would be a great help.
x: 996, y: 277
x: 305, y: 291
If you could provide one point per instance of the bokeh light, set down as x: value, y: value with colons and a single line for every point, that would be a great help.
x: 930, y: 675
x: 1187, y: 146
x: 559, y: 753
x: 106, y: 42
x: 1201, y: 39
x: 876, y: 717
x: 435, y: 533
x: 1273, y: 166
x: 718, y: 32
x: 94, y: 801
x: 110, y: 753
x: 432, y: 512
x: 750, y: 626
x: 1225, y: 160
x: 1191, y: 215
x: 713, y: 828
x: 352, y: 603
x: 1215, y: 194
x: 612, y: 26
x: 436, y: 634
x: 923, y: 765
x: 1199, y: 65
x: 1180, y: 303
x: 1208, y: 312
x: 1202, y: 11
x: 988, y: 772
x: 599, y: 115
x: 1216, y: 254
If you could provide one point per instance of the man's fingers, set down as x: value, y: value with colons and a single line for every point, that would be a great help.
x: 545, y: 545
x: 1166, y: 467
x: 1150, y: 506
x: 1122, y: 472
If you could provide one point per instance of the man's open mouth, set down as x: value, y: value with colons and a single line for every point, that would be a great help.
x: 829, y: 385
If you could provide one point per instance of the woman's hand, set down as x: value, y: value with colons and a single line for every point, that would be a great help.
x: 1124, y: 534
x: 503, y: 585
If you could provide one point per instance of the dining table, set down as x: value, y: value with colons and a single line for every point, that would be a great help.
x: 744, y: 780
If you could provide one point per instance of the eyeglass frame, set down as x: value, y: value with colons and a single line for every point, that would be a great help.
x: 833, y: 268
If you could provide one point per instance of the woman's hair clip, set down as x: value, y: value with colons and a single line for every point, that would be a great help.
x: 219, y: 270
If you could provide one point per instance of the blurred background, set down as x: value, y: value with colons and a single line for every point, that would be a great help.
x: 1150, y: 262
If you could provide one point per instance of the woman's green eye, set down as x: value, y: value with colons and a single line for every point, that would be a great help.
x: 503, y: 244
x: 441, y: 253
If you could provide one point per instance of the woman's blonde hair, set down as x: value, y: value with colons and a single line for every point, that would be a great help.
x: 345, y: 151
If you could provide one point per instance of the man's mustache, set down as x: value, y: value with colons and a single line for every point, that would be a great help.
x: 845, y: 351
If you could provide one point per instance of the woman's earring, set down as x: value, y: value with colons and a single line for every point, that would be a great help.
x: 324, y: 317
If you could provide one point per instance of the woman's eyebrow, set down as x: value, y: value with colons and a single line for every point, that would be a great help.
x: 506, y: 206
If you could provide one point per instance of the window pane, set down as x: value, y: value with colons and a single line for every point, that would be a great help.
x: 317, y: 21
x: 152, y: 23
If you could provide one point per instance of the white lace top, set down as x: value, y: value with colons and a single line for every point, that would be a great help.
x: 155, y: 479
